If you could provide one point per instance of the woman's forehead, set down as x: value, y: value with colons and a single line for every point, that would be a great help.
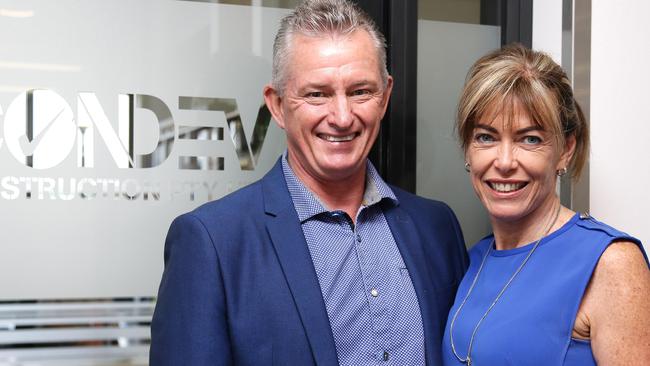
x: 508, y: 116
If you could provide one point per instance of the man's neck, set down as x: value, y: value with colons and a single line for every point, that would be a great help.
x: 345, y: 194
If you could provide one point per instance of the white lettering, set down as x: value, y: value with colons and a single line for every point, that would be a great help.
x: 71, y: 192
x: 9, y: 184
x: 46, y: 185
x: 131, y: 193
x: 82, y: 192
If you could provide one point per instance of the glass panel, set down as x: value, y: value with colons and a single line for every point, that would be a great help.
x: 445, y: 53
x: 115, y: 117
x: 460, y: 11
x: 287, y: 4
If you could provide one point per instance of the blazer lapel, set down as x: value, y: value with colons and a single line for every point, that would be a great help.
x: 289, y: 242
x: 410, y: 247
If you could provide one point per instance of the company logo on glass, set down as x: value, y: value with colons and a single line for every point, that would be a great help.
x: 40, y: 131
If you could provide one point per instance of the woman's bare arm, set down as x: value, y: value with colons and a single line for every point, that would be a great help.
x: 615, y: 311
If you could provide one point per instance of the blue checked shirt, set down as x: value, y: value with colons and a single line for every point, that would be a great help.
x: 369, y: 296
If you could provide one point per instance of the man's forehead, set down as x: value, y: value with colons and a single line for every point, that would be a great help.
x: 330, y: 42
x: 313, y: 57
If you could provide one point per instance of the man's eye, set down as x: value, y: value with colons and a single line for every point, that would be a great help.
x: 315, y: 94
x: 532, y: 140
x: 361, y: 92
x: 484, y: 138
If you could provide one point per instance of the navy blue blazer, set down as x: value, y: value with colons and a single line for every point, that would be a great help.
x: 239, y: 286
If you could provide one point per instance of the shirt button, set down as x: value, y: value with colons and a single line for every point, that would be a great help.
x: 359, y: 238
x: 386, y: 355
x: 374, y: 292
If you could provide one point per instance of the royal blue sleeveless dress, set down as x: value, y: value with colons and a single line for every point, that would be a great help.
x: 532, y: 322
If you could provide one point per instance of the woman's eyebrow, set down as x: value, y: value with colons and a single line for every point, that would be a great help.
x: 486, y: 127
x: 528, y: 129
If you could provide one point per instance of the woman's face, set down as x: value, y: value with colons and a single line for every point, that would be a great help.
x: 513, y: 166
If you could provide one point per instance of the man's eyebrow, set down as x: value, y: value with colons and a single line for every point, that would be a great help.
x: 315, y: 86
x: 364, y: 82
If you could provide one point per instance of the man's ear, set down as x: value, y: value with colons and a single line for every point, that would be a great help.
x: 273, y: 102
x: 386, y: 94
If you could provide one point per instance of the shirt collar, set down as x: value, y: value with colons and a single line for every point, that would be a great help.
x: 308, y: 205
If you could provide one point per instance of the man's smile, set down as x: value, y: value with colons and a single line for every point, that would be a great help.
x: 332, y: 138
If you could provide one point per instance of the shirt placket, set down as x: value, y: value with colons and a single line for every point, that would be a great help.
x: 377, y: 293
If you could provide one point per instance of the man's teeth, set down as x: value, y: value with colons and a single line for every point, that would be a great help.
x: 506, y: 187
x: 338, y: 138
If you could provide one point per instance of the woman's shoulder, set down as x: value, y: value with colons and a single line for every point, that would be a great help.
x: 615, y: 242
x: 621, y: 256
x: 588, y: 222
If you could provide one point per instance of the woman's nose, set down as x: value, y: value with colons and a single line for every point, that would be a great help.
x: 506, y: 158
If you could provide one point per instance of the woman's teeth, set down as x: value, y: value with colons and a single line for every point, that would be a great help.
x: 506, y: 187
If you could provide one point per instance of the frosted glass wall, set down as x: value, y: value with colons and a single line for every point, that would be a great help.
x: 116, y: 117
x: 445, y: 53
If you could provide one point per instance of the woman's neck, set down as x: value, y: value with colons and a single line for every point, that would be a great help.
x: 510, y: 234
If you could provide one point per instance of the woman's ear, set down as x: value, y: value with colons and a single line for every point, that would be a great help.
x: 567, y: 154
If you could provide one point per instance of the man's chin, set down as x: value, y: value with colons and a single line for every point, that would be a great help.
x: 334, y: 172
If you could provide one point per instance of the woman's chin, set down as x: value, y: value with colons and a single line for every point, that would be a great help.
x: 507, y: 215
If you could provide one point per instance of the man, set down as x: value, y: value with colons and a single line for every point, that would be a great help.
x: 320, y: 262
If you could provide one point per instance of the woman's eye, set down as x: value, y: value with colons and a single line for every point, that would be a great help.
x: 532, y: 140
x: 484, y: 138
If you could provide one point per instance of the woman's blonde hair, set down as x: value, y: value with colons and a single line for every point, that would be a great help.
x: 515, y: 76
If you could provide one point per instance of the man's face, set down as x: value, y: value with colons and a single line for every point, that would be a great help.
x: 333, y: 102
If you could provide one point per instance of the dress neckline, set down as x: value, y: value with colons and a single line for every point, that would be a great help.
x: 525, y: 248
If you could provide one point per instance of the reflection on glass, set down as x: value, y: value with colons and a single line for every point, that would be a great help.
x: 200, y: 133
x: 201, y: 162
x: 166, y: 131
x: 246, y: 154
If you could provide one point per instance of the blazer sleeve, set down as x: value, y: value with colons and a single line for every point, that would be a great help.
x: 462, y: 256
x: 189, y: 325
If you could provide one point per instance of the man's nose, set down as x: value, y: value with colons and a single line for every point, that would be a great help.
x: 341, y: 116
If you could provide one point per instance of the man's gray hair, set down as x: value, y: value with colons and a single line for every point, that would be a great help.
x: 320, y: 18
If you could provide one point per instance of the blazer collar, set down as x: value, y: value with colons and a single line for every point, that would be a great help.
x: 410, y: 247
x: 291, y: 249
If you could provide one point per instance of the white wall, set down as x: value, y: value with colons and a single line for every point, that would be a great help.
x: 620, y: 125
x: 620, y: 121
x: 547, y: 27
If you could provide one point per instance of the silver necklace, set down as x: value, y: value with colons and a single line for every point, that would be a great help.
x: 468, y: 359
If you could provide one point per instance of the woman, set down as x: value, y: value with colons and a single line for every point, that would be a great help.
x: 549, y: 286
